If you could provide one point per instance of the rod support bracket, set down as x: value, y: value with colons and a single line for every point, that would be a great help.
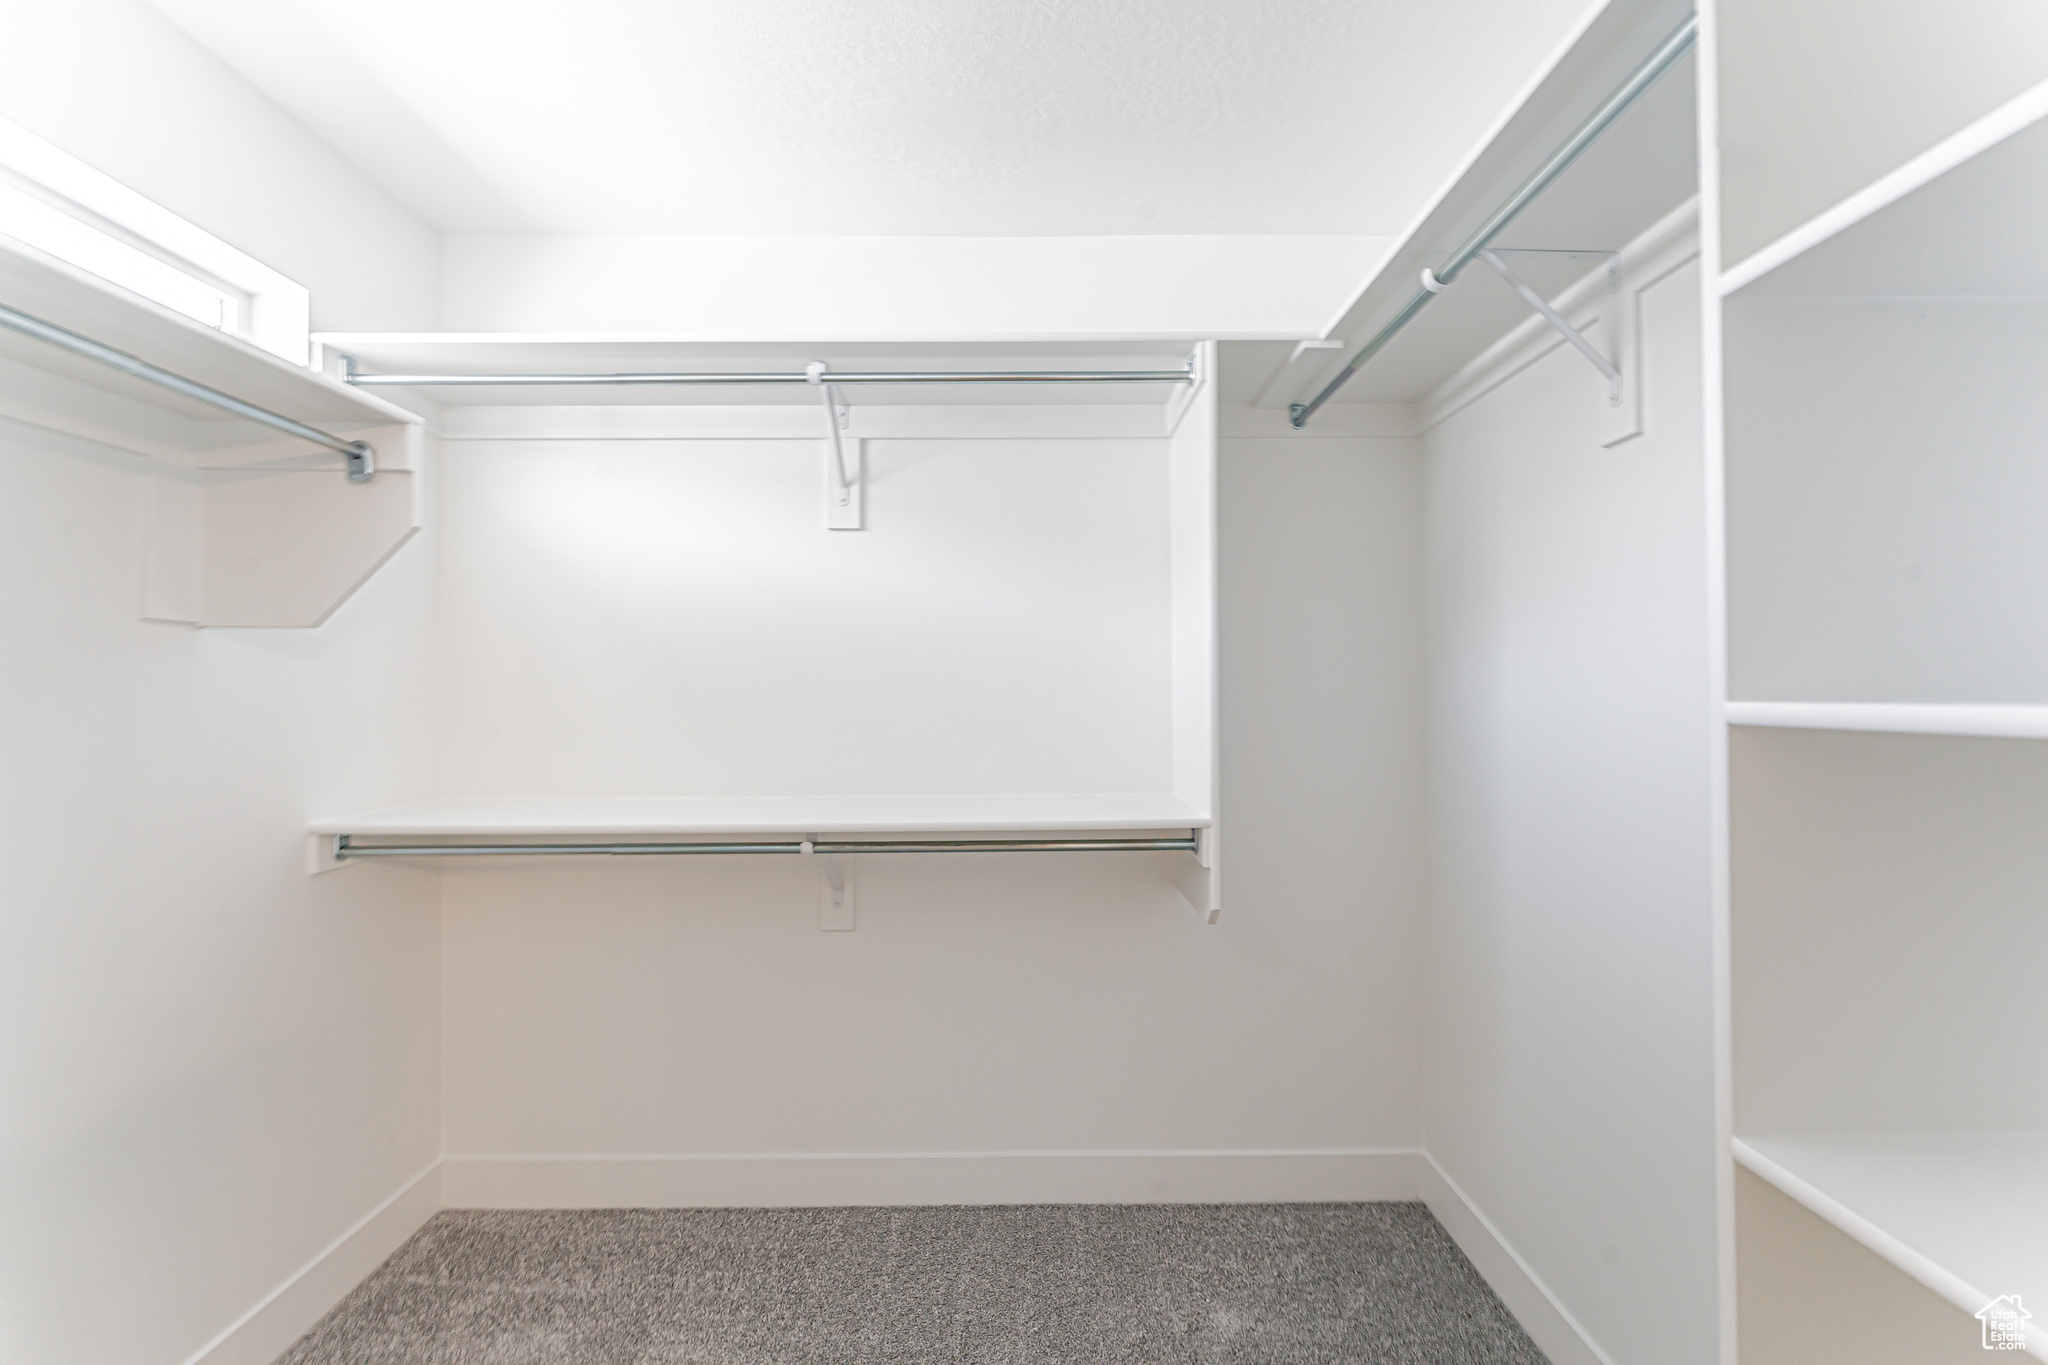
x: 362, y: 462
x: 1607, y: 368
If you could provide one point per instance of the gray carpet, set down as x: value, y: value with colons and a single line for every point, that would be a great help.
x: 1277, y: 1284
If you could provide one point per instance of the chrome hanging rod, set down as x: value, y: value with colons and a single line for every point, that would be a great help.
x: 362, y: 463
x: 1182, y: 376
x: 345, y: 847
x: 1433, y: 281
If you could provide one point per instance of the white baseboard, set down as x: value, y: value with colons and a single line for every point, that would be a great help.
x: 260, y: 1335
x: 822, y: 1179
x: 1548, y: 1322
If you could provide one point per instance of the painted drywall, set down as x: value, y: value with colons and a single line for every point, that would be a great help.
x: 1570, y: 1033
x: 784, y: 287
x: 996, y: 1003
x: 116, y: 85
x: 650, y: 618
x: 1862, y: 567
x: 212, y: 1065
x: 1870, y: 871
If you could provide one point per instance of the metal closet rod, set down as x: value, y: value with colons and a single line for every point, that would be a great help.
x: 361, y: 460
x: 1640, y: 80
x: 345, y: 847
x: 1184, y: 376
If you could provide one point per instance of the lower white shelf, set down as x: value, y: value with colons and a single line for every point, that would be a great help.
x: 1912, y: 718
x: 1965, y: 1214
x: 1138, y: 821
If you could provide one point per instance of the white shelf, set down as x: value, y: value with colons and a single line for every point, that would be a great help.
x: 1906, y: 718
x: 774, y: 815
x: 1639, y: 172
x: 242, y: 525
x: 470, y: 353
x: 1083, y: 814
x: 1940, y: 225
x: 1964, y: 1214
x: 84, y: 398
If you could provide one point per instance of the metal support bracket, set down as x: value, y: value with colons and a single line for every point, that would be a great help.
x: 835, y: 894
x: 845, y: 480
x: 1565, y: 329
x: 1612, y: 258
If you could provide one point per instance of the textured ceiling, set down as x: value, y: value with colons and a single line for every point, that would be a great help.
x: 916, y: 117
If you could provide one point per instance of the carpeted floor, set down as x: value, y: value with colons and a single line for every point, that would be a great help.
x: 1275, y: 1284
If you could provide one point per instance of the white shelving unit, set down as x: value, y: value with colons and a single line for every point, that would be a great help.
x: 1887, y: 577
x: 245, y: 528
x: 1014, y: 633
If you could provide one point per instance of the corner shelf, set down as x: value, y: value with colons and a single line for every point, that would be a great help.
x: 1962, y: 1213
x: 244, y: 528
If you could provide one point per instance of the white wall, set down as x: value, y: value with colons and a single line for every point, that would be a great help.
x: 796, y: 287
x: 995, y: 1003
x: 212, y: 1065
x: 670, y: 618
x: 1881, y: 547
x: 1569, y: 992
x: 1871, y: 870
x: 116, y: 85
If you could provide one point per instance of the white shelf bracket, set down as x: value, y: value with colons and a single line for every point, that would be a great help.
x: 845, y: 479
x: 835, y: 892
x: 1612, y: 258
x: 1565, y: 329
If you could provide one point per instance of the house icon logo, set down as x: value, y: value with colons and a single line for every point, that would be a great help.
x: 2005, y: 1323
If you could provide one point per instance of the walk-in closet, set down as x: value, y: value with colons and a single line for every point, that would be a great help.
x: 778, y: 684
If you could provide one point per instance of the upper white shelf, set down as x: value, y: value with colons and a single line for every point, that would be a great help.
x: 513, y: 353
x: 1962, y: 1213
x: 1944, y: 224
x: 45, y: 386
x: 775, y: 815
x: 1638, y: 173
x: 1996, y: 722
